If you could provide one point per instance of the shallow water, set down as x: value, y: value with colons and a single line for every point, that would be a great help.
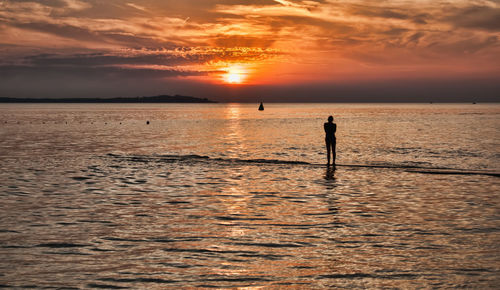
x: 212, y: 196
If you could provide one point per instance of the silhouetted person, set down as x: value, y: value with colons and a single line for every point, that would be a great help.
x: 330, y: 129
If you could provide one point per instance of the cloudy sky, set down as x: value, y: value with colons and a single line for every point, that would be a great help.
x: 252, y: 50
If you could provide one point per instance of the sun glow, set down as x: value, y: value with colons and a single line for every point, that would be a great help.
x: 234, y: 78
x: 234, y: 75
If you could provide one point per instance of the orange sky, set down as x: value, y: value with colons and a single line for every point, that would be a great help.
x: 212, y: 46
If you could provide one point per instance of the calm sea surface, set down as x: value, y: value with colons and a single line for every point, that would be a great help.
x: 222, y: 195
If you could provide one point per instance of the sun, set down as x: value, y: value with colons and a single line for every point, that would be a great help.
x: 234, y: 75
x: 233, y: 78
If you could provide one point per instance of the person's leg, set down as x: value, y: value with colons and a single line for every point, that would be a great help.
x: 327, y: 151
x: 334, y: 153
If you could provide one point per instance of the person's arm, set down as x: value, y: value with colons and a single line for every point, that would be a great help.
x: 334, y: 128
x: 325, y: 127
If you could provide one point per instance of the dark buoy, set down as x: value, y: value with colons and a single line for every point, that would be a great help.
x: 147, y: 123
x: 261, y: 107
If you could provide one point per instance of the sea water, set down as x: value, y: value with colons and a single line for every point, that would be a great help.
x: 224, y: 195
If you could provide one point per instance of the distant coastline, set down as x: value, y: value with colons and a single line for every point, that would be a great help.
x: 153, y: 99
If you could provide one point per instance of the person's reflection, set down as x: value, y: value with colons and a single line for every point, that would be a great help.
x: 330, y: 173
x: 330, y: 181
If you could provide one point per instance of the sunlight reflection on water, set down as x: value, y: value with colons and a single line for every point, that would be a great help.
x: 149, y: 216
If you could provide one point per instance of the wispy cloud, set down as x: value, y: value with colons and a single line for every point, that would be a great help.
x: 138, y: 7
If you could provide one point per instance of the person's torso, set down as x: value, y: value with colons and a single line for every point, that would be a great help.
x: 330, y: 129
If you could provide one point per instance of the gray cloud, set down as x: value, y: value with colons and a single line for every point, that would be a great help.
x: 378, y: 11
x: 476, y: 17
x: 66, y: 81
x: 242, y: 41
x: 67, y: 31
x: 50, y: 3
x: 147, y: 57
x: 103, y: 72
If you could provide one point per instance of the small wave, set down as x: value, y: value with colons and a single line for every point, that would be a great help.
x: 272, y: 257
x: 207, y: 251
x: 13, y: 247
x: 194, y: 157
x: 238, y: 279
x: 80, y: 178
x: 105, y: 286
x: 138, y: 280
x: 374, y: 276
x: 471, y: 270
x: 231, y: 218
x: 454, y: 172
x: 94, y: 221
x: 8, y: 231
x: 412, y: 167
x: 121, y: 239
x: 272, y: 245
x: 60, y: 245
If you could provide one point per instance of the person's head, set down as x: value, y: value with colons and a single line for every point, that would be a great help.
x: 330, y: 119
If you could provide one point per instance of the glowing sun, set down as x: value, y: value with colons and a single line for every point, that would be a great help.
x: 233, y: 78
x: 234, y: 75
